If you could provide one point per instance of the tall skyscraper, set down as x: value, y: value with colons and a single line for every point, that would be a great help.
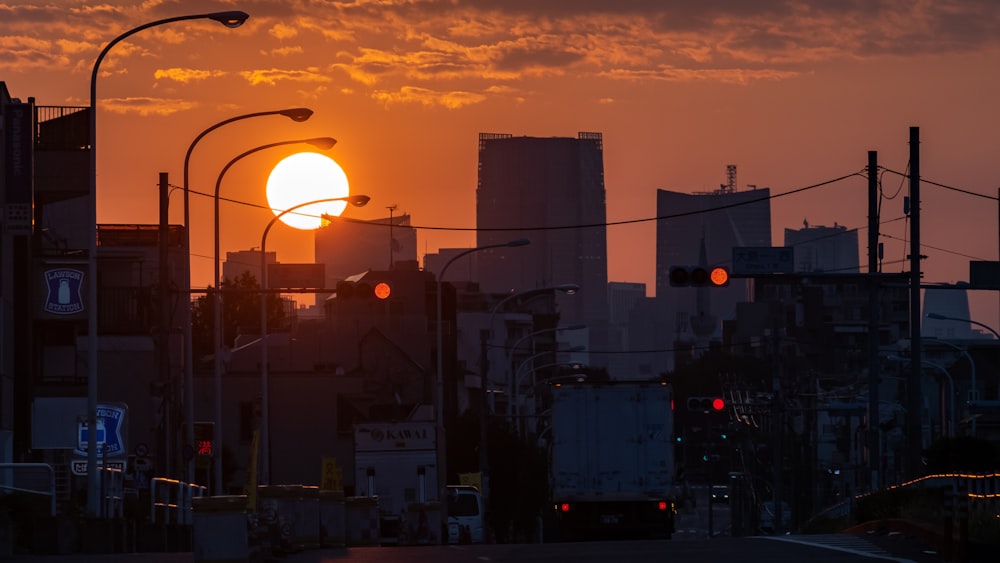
x: 551, y: 191
x: 832, y: 250
x: 719, y: 220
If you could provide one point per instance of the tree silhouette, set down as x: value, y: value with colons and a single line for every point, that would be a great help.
x: 240, y: 313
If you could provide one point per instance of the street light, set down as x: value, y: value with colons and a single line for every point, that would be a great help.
x: 265, y: 421
x: 484, y: 378
x: 318, y: 142
x: 230, y: 19
x: 442, y: 460
x: 511, y: 382
x: 975, y: 390
x: 297, y: 115
x: 519, y: 418
x: 941, y: 317
x: 535, y: 369
x: 974, y: 394
x: 951, y: 386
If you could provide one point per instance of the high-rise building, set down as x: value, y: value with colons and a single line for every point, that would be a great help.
x: 623, y: 299
x: 551, y: 191
x: 347, y: 246
x: 714, y: 223
x: 832, y: 250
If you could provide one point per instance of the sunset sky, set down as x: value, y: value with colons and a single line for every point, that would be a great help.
x: 794, y: 93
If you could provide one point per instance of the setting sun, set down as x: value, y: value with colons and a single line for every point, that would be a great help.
x: 305, y: 177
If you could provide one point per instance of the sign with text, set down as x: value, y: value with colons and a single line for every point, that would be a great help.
x: 79, y: 466
x: 377, y: 437
x: 750, y: 260
x: 111, y: 431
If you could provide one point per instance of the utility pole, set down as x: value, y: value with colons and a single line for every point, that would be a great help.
x: 163, y: 386
x: 392, y: 242
x: 874, y: 376
x: 914, y: 432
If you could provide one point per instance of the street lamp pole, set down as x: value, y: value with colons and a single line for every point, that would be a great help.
x: 484, y: 379
x: 511, y: 379
x: 230, y: 19
x: 442, y: 461
x: 974, y: 394
x: 265, y: 418
x: 319, y: 142
x: 951, y: 387
x: 297, y: 115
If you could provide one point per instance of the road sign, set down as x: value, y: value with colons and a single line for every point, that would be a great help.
x: 79, y: 466
x: 750, y: 260
x: 83, y: 436
x: 110, y: 423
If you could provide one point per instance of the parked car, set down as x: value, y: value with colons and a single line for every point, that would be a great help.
x: 720, y: 494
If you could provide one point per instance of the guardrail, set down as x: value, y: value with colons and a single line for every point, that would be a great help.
x: 9, y: 480
x: 982, y: 490
x: 112, y: 492
x: 171, y: 501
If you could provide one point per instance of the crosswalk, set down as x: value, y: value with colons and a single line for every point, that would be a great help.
x: 841, y: 542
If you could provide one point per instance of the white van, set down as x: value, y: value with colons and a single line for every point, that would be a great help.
x: 466, y: 520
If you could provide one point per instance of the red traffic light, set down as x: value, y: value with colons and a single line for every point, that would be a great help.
x: 698, y: 276
x: 706, y: 404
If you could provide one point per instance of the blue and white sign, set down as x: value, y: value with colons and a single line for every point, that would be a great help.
x: 64, y: 291
x: 110, y: 432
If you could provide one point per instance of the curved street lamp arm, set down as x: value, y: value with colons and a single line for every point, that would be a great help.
x: 229, y: 19
x: 265, y: 437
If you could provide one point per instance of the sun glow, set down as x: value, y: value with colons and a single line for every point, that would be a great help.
x: 304, y: 177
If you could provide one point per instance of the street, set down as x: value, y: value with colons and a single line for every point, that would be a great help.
x: 838, y: 549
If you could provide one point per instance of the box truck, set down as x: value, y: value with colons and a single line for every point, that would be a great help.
x: 611, y: 460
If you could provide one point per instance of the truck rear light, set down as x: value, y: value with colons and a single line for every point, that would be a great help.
x: 662, y: 505
x: 564, y: 507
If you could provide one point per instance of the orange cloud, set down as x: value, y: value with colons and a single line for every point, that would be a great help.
x: 282, y: 31
x: 186, y: 75
x: 272, y: 76
x: 425, y: 97
x: 145, y: 106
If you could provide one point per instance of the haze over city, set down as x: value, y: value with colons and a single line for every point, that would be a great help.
x: 794, y: 93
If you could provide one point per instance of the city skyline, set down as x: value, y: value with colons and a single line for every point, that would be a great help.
x: 793, y: 93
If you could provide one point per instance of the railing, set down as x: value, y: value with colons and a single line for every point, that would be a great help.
x: 112, y: 493
x: 10, y: 480
x: 171, y: 501
x: 62, y: 127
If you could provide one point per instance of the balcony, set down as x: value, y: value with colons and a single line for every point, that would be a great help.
x: 62, y: 153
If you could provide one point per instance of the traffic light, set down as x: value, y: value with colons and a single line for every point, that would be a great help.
x: 699, y: 276
x: 706, y: 404
x: 363, y: 290
x: 204, y: 444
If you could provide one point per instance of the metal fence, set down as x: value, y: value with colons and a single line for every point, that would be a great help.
x: 31, y: 478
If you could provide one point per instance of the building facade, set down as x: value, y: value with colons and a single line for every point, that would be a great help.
x: 550, y: 191
x: 824, y: 249
x: 715, y: 222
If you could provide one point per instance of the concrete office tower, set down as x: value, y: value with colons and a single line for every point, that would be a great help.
x: 551, y: 191
x: 348, y: 246
x: 724, y: 219
x: 626, y: 301
x: 952, y: 303
x: 833, y: 250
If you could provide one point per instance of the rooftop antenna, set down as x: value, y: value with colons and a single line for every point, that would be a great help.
x: 391, y: 208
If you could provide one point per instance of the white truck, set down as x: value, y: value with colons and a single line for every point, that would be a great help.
x: 611, y: 460
x: 397, y: 462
